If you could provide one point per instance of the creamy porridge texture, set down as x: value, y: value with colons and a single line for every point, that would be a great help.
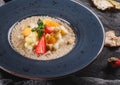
x: 42, y: 38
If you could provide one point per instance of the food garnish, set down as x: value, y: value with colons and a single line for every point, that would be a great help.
x: 48, y: 30
x: 31, y: 40
x: 48, y: 35
x: 40, y: 29
x: 26, y: 31
x: 50, y: 23
x: 41, y: 46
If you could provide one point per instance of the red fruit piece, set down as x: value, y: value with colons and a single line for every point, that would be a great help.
x: 116, y: 64
x: 41, y: 46
x: 48, y: 30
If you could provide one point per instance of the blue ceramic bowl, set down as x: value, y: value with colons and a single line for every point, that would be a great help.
x: 86, y: 25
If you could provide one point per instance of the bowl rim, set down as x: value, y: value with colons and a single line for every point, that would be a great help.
x: 29, y: 77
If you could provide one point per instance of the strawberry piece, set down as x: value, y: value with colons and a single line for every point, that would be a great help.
x: 41, y: 46
x: 48, y: 30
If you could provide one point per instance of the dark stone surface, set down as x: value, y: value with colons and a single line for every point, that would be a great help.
x: 97, y: 73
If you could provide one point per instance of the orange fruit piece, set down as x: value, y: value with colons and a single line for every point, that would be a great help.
x: 52, y: 40
x: 50, y: 23
x: 26, y: 31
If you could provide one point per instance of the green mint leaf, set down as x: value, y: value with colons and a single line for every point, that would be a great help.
x: 40, y: 29
x: 40, y: 23
x: 40, y: 33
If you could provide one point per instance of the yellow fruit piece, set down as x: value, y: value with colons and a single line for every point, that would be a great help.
x: 50, y: 23
x: 63, y: 30
x: 52, y: 40
x: 31, y: 40
x: 26, y: 31
x: 49, y: 46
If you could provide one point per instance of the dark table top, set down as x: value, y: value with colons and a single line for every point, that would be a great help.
x: 97, y: 73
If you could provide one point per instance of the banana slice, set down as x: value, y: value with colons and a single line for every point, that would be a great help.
x: 31, y: 40
x: 63, y: 30
x: 57, y: 44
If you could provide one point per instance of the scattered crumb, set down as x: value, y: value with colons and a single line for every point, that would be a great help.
x: 102, y: 4
x: 106, y: 4
x: 111, y: 39
x: 115, y: 3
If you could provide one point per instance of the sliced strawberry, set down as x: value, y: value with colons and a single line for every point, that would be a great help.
x: 41, y: 46
x: 48, y: 30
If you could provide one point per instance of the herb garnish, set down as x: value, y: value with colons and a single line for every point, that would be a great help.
x: 40, y: 29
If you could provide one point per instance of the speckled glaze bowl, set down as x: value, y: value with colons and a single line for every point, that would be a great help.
x: 86, y: 25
